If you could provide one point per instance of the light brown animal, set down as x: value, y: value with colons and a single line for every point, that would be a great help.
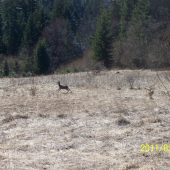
x: 63, y: 87
x: 150, y: 93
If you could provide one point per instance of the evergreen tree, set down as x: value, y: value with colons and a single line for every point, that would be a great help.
x: 31, y: 5
x: 101, y: 41
x: 5, y: 68
x: 11, y: 32
x: 115, y: 10
x: 13, y: 19
x: 1, y: 43
x: 60, y: 9
x: 29, y: 37
x: 35, y: 24
x: 126, y: 9
x: 16, y: 66
x: 40, y: 20
x: 27, y: 65
x: 41, y: 58
x: 140, y: 15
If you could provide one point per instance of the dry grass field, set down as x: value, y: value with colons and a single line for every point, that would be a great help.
x: 101, y: 125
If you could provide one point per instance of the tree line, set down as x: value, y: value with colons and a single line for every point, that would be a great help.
x: 41, y: 35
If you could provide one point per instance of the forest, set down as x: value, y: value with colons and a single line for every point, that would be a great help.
x: 45, y: 36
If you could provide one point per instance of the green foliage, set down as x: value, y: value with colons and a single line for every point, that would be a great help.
x: 75, y: 70
x: 66, y: 70
x: 125, y: 16
x: 12, y: 32
x: 69, y: 26
x: 36, y: 22
x: 27, y: 65
x: 30, y: 31
x: 32, y: 5
x: 41, y: 20
x: 16, y: 66
x: 5, y: 67
x: 115, y: 10
x: 101, y: 41
x: 13, y: 74
x: 140, y: 16
x: 41, y: 58
x: 60, y: 9
x: 140, y: 13
x: 1, y: 42
x: 26, y: 74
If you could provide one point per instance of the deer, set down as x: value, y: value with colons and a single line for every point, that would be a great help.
x: 63, y: 87
x: 150, y: 93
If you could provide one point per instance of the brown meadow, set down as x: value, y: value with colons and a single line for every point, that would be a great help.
x: 94, y: 127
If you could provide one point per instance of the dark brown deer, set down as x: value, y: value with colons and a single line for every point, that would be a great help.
x: 63, y: 87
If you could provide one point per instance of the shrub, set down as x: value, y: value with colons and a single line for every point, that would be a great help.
x: 13, y: 74
x: 26, y: 74
x: 5, y: 67
x: 16, y: 66
x: 75, y: 70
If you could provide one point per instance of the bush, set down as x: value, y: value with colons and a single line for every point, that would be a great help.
x: 16, y: 66
x: 5, y: 67
x: 13, y: 74
x: 27, y: 65
x: 122, y: 121
x: 26, y: 74
x: 75, y: 70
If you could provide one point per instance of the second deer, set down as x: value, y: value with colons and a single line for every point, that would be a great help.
x: 63, y: 87
x: 150, y: 93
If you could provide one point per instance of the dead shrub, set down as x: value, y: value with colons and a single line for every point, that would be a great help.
x: 33, y: 91
x: 21, y: 117
x: 62, y: 116
x: 8, y: 119
x: 43, y: 116
x: 155, y: 120
x: 122, y: 121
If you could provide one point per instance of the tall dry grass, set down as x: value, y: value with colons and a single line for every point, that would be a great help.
x: 95, y: 127
x: 103, y: 79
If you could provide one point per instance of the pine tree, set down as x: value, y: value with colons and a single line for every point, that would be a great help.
x: 60, y: 9
x: 125, y: 15
x: 40, y: 20
x: 41, y: 58
x: 16, y: 66
x: 5, y: 68
x: 31, y: 5
x: 115, y: 10
x: 1, y: 42
x: 101, y: 41
x: 27, y: 65
x: 139, y: 16
x: 29, y: 33
x: 140, y: 13
x: 11, y: 28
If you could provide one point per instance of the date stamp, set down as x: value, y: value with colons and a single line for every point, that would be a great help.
x: 156, y: 148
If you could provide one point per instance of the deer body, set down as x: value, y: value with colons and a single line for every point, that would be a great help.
x: 151, y: 92
x: 63, y: 87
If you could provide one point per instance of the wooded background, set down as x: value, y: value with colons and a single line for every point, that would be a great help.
x: 40, y: 36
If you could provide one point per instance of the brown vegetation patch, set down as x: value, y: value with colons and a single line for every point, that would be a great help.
x: 122, y: 121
